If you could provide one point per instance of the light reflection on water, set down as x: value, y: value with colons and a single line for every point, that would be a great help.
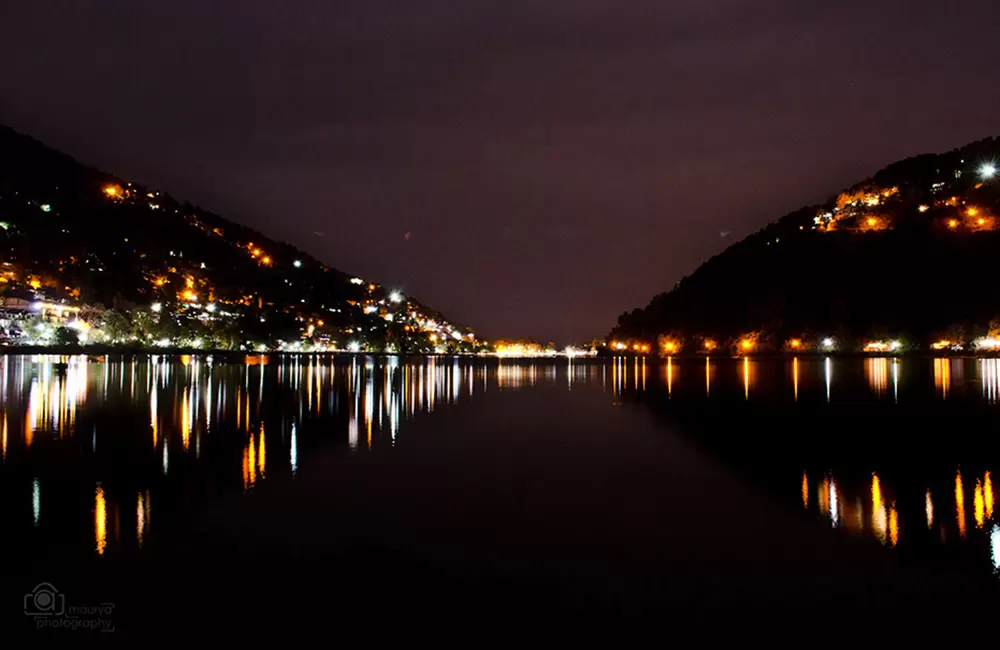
x: 145, y: 429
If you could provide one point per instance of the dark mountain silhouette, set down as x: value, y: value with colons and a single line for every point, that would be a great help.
x: 72, y: 233
x: 911, y: 252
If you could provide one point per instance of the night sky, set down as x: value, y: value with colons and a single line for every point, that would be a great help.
x: 529, y: 168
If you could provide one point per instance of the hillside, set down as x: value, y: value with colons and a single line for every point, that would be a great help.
x: 145, y: 268
x: 908, y: 254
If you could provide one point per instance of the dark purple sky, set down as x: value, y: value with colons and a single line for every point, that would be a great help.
x: 556, y: 163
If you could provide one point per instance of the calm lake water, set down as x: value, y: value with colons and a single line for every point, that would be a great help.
x: 347, y: 488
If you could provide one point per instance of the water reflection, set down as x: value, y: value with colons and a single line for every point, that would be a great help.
x: 241, y: 424
x: 131, y: 423
x: 942, y: 376
x: 883, y: 518
x: 877, y: 374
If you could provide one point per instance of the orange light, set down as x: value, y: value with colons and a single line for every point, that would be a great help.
x: 112, y: 191
x: 981, y: 221
x: 871, y: 221
x: 923, y: 208
x: 972, y: 212
x: 746, y: 344
x: 265, y: 260
x: 795, y: 343
x: 709, y: 344
x: 953, y: 223
x: 190, y: 296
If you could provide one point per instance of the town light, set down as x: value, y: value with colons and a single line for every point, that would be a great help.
x: 923, y: 208
x: 156, y: 307
x: 395, y: 296
x: 353, y: 346
x: 746, y: 344
x: 872, y: 221
x: 795, y: 343
x: 210, y: 306
x: 709, y: 344
x: 988, y: 170
x: 953, y: 223
x: 297, y: 264
x: 972, y: 211
x: 829, y: 343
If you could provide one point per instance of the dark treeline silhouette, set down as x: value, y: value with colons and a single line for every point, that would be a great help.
x: 910, y: 253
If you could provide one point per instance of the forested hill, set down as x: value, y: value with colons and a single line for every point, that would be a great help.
x: 910, y: 252
x: 74, y: 235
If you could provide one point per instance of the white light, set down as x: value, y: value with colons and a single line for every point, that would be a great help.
x: 297, y: 264
x: 371, y: 309
x: 395, y: 296
x: 353, y: 346
x: 390, y: 317
x: 988, y: 170
x: 196, y: 343
x: 995, y: 544
x: 894, y: 345
x: 357, y: 281
x: 156, y: 307
x: 46, y: 207
x: 456, y: 336
x: 210, y: 306
x: 163, y: 343
x: 829, y: 342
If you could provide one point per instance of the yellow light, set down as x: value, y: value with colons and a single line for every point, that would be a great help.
x: 923, y: 208
x: 972, y: 212
x: 952, y: 223
x: 190, y: 296
x: 940, y: 345
x: 746, y: 344
x: 795, y: 343
x: 871, y: 221
x: 709, y: 344
x: 100, y: 521
x: 112, y: 191
x: 265, y: 260
x: 160, y: 281
x: 981, y: 221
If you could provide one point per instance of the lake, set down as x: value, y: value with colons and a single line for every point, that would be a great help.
x: 243, y: 493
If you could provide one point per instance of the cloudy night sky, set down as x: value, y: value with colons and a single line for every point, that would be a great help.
x: 527, y: 168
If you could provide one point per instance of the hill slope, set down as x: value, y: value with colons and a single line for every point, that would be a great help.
x: 910, y: 252
x: 76, y: 235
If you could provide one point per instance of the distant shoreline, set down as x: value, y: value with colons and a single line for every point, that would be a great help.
x: 96, y: 350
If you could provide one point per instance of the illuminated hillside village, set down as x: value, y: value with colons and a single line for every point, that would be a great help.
x: 900, y: 262
x: 91, y: 260
x: 87, y: 259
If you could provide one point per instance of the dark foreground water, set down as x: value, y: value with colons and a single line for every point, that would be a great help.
x: 171, y: 496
